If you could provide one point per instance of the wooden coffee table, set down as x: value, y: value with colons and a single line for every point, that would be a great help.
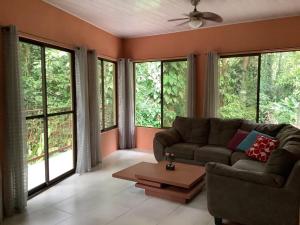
x: 180, y: 185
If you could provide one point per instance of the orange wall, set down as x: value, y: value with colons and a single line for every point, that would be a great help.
x: 144, y: 138
x: 53, y: 25
x: 253, y: 36
x: 109, y: 142
x: 41, y: 19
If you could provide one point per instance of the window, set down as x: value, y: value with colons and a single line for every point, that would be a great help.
x: 238, y: 87
x: 261, y: 87
x: 148, y: 94
x: 107, y: 92
x: 48, y: 80
x: 160, y: 92
x: 280, y: 88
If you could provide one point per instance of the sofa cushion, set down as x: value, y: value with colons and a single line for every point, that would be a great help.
x: 244, y: 173
x: 250, y: 165
x: 238, y: 137
x: 213, y: 153
x: 269, y: 129
x: 183, y: 150
x: 288, y: 133
x: 221, y: 131
x: 238, y: 155
x: 281, y: 162
x: 192, y: 130
x: 250, y: 140
x: 262, y: 148
x: 293, y: 147
x: 168, y: 137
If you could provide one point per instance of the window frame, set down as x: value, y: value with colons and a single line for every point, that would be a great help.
x: 102, y: 94
x: 162, y: 61
x: 259, y: 55
x: 45, y: 115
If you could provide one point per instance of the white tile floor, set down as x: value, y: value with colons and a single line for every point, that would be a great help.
x: 96, y: 198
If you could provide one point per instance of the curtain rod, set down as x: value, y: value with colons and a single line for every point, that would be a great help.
x: 57, y: 43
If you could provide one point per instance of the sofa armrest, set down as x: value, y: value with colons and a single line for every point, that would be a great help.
x: 168, y: 137
x: 248, y: 197
x: 293, y: 181
x: 164, y: 139
x: 244, y: 175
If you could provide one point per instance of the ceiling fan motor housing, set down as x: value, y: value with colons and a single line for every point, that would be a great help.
x: 195, y: 2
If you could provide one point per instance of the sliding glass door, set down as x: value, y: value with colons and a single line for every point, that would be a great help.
x: 48, y: 84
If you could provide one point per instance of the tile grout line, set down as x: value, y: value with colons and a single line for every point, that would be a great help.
x: 169, y: 214
x: 130, y: 209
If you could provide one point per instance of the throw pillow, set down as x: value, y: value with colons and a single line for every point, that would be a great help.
x: 250, y: 140
x: 281, y: 162
x: 262, y: 148
x: 239, y: 136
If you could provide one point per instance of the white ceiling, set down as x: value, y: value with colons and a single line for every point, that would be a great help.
x: 133, y: 18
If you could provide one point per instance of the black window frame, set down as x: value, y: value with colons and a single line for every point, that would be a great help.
x: 161, y: 88
x: 45, y: 115
x: 259, y: 55
x: 102, y: 60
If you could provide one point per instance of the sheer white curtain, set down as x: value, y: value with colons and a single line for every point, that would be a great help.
x: 126, y: 104
x: 14, y: 167
x: 211, y: 102
x: 88, y: 130
x: 191, y: 89
x: 94, y: 101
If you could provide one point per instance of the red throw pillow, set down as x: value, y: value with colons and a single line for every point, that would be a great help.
x: 262, y: 148
x: 239, y: 136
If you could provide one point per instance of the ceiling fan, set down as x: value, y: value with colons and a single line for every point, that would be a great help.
x: 196, y: 18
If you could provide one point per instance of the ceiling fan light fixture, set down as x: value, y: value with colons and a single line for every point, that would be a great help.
x: 195, y: 23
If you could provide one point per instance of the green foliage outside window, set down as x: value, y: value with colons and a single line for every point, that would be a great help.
x: 148, y: 96
x: 31, y: 71
x: 107, y: 93
x: 58, y: 77
x: 59, y: 99
x: 279, y: 87
x: 99, y: 74
x: 174, y: 91
x: 238, y: 87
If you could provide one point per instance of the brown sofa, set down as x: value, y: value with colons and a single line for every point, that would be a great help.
x: 238, y: 188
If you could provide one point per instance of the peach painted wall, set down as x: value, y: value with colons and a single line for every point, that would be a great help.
x: 47, y: 23
x: 144, y: 138
x: 252, y: 36
x: 43, y: 20
x: 109, y: 142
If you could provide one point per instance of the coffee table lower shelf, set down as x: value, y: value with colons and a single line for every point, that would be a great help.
x: 172, y: 193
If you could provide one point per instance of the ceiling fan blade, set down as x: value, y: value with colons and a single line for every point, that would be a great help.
x: 186, y: 18
x: 211, y: 16
x: 186, y: 22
